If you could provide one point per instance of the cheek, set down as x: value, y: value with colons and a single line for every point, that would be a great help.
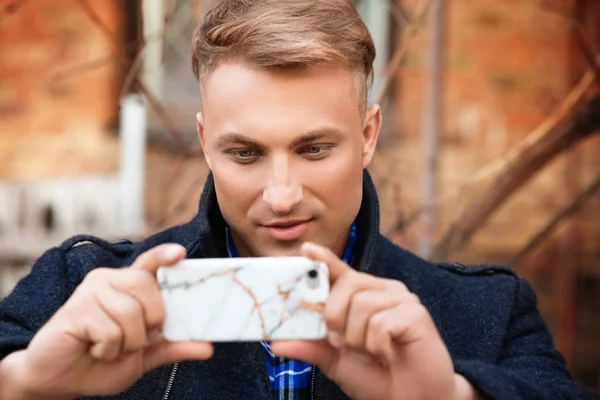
x: 235, y: 192
x: 338, y: 181
x: 346, y: 167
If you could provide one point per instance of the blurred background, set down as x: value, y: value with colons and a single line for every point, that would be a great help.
x: 489, y: 151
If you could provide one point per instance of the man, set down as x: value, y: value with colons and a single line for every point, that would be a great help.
x: 287, y: 135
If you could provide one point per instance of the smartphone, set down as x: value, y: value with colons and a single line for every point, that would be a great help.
x: 244, y: 299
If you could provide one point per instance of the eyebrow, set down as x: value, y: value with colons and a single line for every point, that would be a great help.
x: 317, y: 134
x: 236, y: 138
x: 309, y: 137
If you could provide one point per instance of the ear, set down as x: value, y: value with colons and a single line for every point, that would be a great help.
x: 201, y: 137
x: 371, y: 128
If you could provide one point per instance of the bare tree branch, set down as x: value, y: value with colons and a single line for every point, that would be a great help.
x: 82, y: 68
x: 575, y: 19
x: 574, y: 119
x: 170, y: 183
x: 133, y: 70
x: 125, y: 60
x: 169, y: 11
x: 89, y: 11
x: 196, y: 9
x: 169, y: 213
x: 561, y: 8
x: 587, y: 50
x: 555, y: 221
x: 416, y: 20
x: 493, y: 169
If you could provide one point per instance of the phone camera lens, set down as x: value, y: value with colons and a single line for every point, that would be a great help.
x: 312, y: 279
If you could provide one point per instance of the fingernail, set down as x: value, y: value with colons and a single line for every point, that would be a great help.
x: 335, y: 339
x: 307, y: 246
x: 315, y: 248
x: 174, y: 250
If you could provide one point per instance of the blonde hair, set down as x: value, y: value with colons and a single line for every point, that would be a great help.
x: 285, y: 34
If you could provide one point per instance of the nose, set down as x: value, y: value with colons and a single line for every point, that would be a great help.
x: 283, y: 190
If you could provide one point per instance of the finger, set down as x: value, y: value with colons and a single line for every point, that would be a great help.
x: 402, y: 325
x: 126, y: 312
x: 159, y: 256
x: 340, y: 297
x: 363, y: 306
x: 142, y: 286
x: 320, y: 353
x: 166, y: 352
x: 378, y: 341
x: 104, y: 335
x: 337, y: 267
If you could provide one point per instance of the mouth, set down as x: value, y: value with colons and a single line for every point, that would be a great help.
x: 287, y: 230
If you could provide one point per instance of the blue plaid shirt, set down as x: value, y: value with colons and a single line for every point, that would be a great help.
x: 291, y: 379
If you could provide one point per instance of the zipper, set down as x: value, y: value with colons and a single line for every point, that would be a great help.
x: 171, y: 379
x: 312, y: 383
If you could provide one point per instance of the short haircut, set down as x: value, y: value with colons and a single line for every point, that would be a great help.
x: 285, y: 34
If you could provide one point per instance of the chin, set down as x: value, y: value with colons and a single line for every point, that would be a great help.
x: 291, y: 249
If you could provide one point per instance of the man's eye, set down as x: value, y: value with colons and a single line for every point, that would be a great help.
x: 244, y: 155
x: 316, y: 151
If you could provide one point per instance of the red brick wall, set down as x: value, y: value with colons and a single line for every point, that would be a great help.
x: 509, y: 61
x: 40, y: 41
x: 508, y: 65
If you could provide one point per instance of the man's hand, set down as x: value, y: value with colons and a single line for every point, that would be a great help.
x: 104, y: 338
x: 382, y: 342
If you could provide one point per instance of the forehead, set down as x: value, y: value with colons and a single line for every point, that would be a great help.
x: 236, y: 97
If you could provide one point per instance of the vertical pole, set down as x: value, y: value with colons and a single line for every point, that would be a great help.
x: 569, y: 258
x: 133, y: 151
x: 377, y: 18
x: 571, y: 238
x: 432, y: 116
x: 153, y: 14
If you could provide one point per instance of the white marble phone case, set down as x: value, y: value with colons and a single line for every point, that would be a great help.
x: 244, y: 299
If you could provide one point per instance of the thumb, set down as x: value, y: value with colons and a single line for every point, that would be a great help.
x: 336, y: 267
x: 171, y: 352
x: 320, y: 353
x: 162, y: 255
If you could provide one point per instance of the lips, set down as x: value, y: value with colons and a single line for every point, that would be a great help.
x: 287, y: 230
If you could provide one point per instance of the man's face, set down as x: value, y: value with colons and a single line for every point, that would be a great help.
x: 286, y: 150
